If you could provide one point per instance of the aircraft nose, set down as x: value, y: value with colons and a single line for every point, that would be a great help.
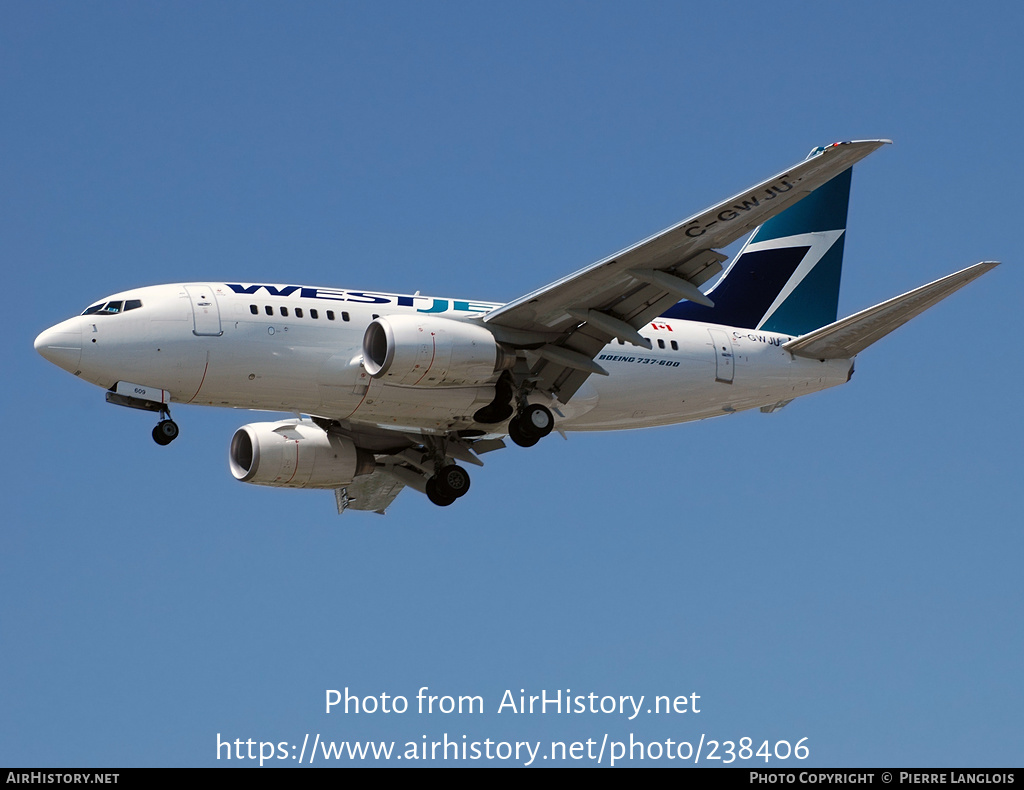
x: 62, y: 344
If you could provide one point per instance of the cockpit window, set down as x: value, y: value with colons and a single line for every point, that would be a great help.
x: 111, y: 308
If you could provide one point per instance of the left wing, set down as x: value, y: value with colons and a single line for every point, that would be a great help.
x: 403, y: 459
x: 567, y: 323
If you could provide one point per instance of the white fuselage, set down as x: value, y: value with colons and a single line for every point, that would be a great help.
x: 299, y: 349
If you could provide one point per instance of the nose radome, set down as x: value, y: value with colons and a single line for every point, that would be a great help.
x: 62, y: 344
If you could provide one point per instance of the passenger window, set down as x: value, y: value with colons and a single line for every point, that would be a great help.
x: 284, y: 311
x: 314, y: 314
x: 661, y: 344
x: 269, y: 310
x: 254, y: 309
x: 330, y: 315
x: 675, y: 346
x: 344, y: 316
x: 298, y: 312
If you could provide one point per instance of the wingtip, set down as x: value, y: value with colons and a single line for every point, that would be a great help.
x: 871, y: 144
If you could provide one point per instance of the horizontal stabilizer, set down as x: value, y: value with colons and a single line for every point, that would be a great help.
x: 849, y: 336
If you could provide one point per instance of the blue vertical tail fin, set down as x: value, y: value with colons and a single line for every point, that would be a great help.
x: 786, y: 277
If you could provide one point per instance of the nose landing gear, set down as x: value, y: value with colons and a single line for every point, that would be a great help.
x: 165, y: 432
x: 138, y: 396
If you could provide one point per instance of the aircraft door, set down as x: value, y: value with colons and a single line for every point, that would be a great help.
x: 205, y: 311
x: 724, y: 359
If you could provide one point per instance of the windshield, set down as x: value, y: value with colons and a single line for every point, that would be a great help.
x: 113, y: 307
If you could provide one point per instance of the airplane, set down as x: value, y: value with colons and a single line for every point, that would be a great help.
x: 393, y: 391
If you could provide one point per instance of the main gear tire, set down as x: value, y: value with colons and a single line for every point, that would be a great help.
x: 437, y: 497
x: 452, y: 481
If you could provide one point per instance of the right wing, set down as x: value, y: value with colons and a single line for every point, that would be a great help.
x: 567, y: 323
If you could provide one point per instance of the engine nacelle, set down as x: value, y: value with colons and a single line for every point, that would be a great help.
x: 424, y: 351
x: 296, y: 454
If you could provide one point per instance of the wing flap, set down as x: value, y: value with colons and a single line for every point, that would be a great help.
x: 849, y: 336
x: 375, y: 492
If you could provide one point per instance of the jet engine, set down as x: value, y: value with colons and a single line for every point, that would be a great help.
x: 296, y: 454
x: 425, y: 351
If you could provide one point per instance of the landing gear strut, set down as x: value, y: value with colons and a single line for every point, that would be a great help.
x: 531, y: 425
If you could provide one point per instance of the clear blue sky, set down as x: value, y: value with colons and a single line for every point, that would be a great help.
x: 846, y: 570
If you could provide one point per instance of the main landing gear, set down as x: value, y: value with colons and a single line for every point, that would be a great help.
x: 531, y: 425
x: 450, y: 483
